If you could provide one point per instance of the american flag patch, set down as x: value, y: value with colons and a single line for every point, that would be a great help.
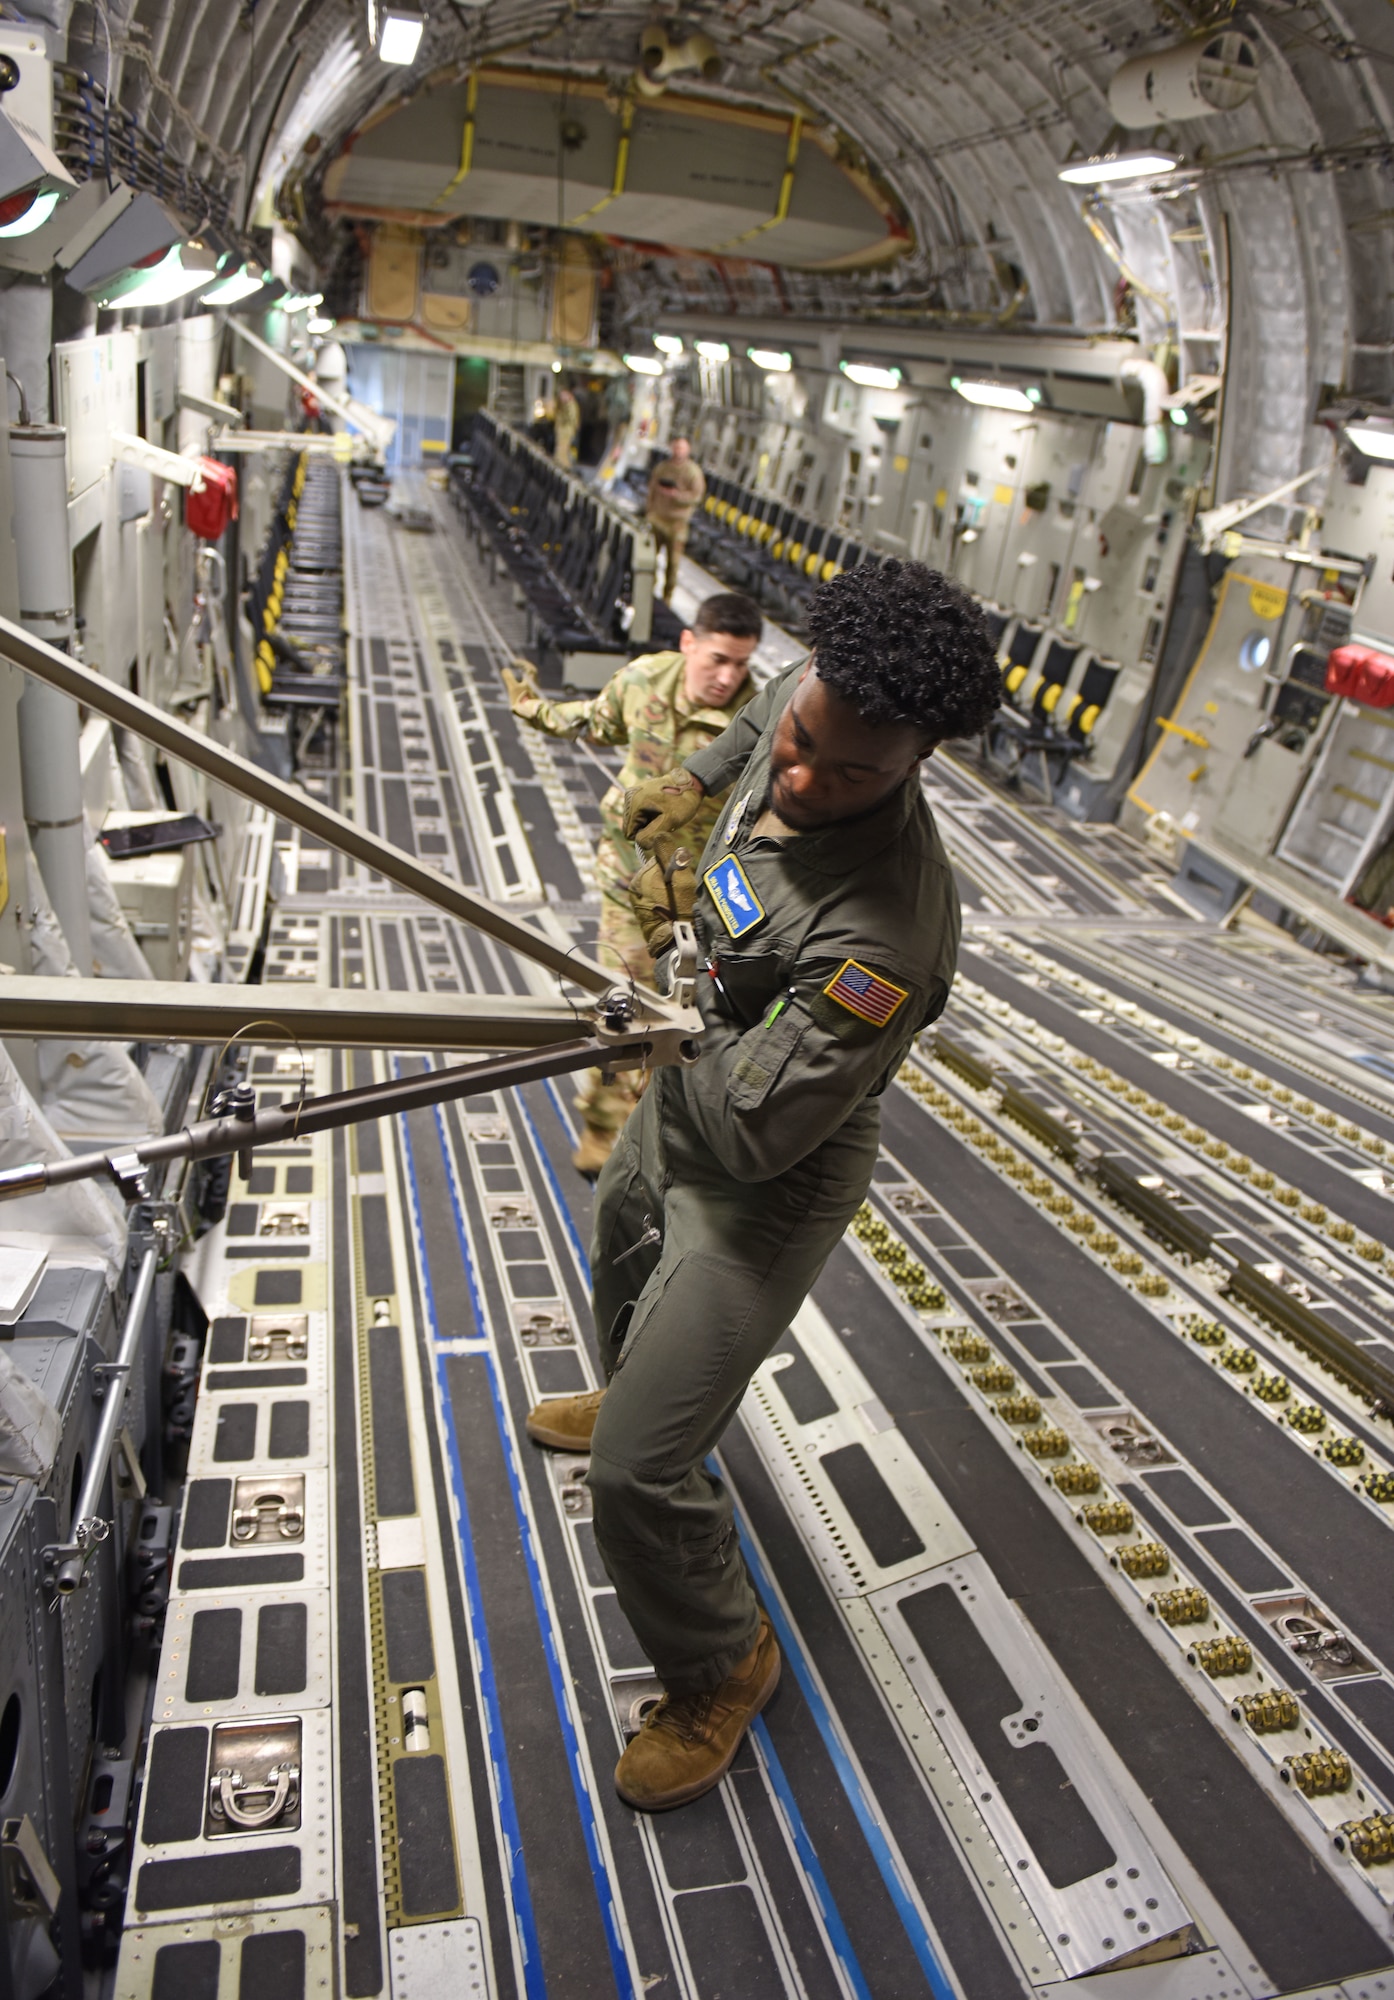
x: 865, y: 993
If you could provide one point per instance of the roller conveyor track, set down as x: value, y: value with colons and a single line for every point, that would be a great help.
x: 990, y: 1769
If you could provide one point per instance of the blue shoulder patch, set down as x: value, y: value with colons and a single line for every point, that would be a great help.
x: 738, y: 906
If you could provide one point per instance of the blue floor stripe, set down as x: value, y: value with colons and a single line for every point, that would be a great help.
x: 916, y: 1930
x: 562, y: 1203
x: 519, y: 1889
x: 808, y: 1859
x: 619, y: 1962
x: 792, y: 1648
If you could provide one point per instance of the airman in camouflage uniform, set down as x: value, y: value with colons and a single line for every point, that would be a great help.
x: 661, y: 708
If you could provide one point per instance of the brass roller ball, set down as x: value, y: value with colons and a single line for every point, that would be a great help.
x: 1221, y: 1657
x: 1186, y: 1606
x: 1273, y: 1709
x: 1019, y: 1410
x: 1238, y: 1360
x: 993, y: 1379
x: 1368, y: 1841
x: 1047, y: 1442
x: 1080, y: 1477
x: 1316, y: 1773
x: 1142, y: 1559
x: 1307, y: 1418
x: 1205, y: 1332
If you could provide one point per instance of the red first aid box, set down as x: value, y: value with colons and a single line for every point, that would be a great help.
x: 1360, y: 673
x: 208, y: 511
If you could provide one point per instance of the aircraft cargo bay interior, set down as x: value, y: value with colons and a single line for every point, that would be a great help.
x: 696, y: 1090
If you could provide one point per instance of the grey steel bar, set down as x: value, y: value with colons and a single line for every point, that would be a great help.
x: 143, y: 719
x: 240, y: 1130
x: 157, y: 1010
x: 70, y: 1571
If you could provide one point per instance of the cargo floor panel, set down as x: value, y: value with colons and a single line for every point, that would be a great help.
x: 1327, y: 1533
x: 1295, y: 1917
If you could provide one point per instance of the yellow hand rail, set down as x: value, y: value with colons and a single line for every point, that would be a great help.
x: 466, y: 138
x: 786, y: 189
x: 621, y: 168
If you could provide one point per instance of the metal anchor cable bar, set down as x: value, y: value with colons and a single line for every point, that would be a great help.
x: 301, y: 1118
x: 324, y: 1017
x: 143, y: 719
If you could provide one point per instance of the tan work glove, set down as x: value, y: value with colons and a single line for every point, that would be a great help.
x: 524, y: 696
x: 664, y: 891
x: 660, y: 806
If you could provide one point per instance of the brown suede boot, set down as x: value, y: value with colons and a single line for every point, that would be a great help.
x: 689, y: 1741
x: 565, y: 1422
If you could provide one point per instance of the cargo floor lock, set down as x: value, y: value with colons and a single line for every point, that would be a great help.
x: 269, y: 1510
x: 254, y: 1778
x: 255, y: 1802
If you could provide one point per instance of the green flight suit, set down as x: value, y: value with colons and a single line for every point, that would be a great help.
x: 733, y: 1180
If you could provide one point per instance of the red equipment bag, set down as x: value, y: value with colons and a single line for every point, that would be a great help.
x: 208, y: 511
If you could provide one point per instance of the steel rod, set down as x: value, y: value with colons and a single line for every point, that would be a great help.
x: 69, y: 1573
x: 285, y: 1014
x: 213, y: 1138
x: 143, y: 719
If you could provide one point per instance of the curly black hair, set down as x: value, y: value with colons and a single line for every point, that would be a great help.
x: 902, y: 643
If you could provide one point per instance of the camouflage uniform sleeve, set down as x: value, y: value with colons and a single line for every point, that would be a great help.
x: 607, y: 720
x: 763, y: 1098
x: 562, y: 718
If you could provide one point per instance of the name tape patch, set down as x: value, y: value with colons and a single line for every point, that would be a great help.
x: 738, y: 906
x: 865, y: 993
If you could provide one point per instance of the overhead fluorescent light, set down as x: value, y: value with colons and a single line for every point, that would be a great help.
x: 1118, y: 167
x: 643, y: 364
x: 400, y: 28
x: 867, y: 377
x: 21, y: 214
x: 773, y: 360
x: 170, y: 278
x: 299, y: 302
x: 1374, y: 443
x: 318, y: 324
x: 996, y: 395
x: 667, y: 343
x: 713, y: 350
x: 239, y: 284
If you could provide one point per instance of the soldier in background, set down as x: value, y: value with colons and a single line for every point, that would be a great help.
x: 661, y: 708
x: 568, y: 423
x: 676, y: 490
